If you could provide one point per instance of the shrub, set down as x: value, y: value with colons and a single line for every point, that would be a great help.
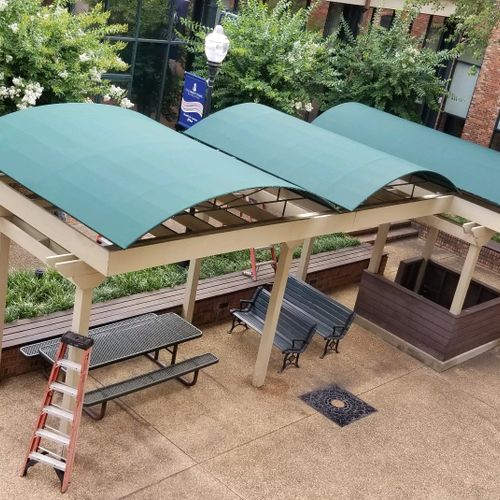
x: 48, y: 55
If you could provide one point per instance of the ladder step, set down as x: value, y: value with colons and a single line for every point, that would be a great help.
x: 70, y: 365
x: 53, y: 436
x: 44, y: 459
x: 58, y: 412
x: 63, y: 389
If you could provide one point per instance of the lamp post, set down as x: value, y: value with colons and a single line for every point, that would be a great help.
x: 216, y: 47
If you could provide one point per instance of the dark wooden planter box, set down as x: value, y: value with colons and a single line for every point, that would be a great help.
x: 424, y: 323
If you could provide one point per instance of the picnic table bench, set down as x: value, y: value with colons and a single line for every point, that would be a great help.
x: 293, y: 332
x: 144, y: 335
x: 333, y: 320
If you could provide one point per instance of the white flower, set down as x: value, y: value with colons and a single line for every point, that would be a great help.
x: 126, y: 103
x: 308, y: 107
x: 8, y: 58
x: 3, y: 5
x: 95, y: 75
x: 63, y: 74
x: 116, y: 92
x: 17, y: 81
x: 22, y: 106
x: 298, y: 105
x: 88, y: 100
x: 14, y: 27
x: 85, y: 57
x: 106, y: 98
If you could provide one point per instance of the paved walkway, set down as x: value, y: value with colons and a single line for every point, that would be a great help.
x: 434, y: 436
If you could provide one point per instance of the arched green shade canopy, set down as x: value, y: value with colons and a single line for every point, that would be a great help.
x: 470, y: 167
x: 335, y: 168
x: 116, y: 171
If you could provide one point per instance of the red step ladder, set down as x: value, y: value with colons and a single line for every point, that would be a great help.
x: 58, y: 450
x: 255, y: 265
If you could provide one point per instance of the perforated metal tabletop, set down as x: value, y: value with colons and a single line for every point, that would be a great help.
x: 128, y: 340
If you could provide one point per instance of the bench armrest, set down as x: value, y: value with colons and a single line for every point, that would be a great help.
x: 245, y: 304
x: 298, y: 343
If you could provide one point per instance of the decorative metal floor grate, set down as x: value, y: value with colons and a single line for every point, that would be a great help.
x: 337, y: 404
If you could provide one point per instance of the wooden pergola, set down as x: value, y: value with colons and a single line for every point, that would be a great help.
x: 284, y: 211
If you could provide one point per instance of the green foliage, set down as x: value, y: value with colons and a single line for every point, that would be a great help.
x: 473, y: 23
x: 48, y: 55
x: 273, y: 59
x: 387, y: 69
x: 29, y: 295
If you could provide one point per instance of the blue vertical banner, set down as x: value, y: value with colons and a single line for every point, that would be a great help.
x: 194, y: 95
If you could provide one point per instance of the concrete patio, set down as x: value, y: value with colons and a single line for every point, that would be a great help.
x: 435, y: 435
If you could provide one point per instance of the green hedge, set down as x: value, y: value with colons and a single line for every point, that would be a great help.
x: 29, y: 295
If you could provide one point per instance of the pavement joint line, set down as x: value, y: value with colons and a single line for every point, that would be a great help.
x: 128, y: 495
x: 256, y: 439
x: 391, y: 380
x: 471, y: 395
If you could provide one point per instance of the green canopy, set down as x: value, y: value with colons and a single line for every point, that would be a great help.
x: 336, y: 168
x: 117, y: 171
x: 470, y: 167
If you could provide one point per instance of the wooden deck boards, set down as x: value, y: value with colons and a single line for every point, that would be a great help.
x: 35, y: 329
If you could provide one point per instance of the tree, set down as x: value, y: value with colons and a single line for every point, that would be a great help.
x: 48, y: 55
x: 387, y: 68
x: 273, y: 59
x: 473, y: 23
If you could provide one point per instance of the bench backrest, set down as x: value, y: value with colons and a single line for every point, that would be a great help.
x: 291, y: 323
x: 319, y: 305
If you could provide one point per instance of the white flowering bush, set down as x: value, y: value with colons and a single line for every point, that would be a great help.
x: 273, y: 59
x: 48, y: 55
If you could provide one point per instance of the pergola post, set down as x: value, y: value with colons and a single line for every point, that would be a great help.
x: 378, y: 248
x: 190, y: 290
x: 481, y: 235
x: 305, y: 257
x: 426, y: 255
x: 4, y: 275
x: 79, y: 324
x: 273, y: 312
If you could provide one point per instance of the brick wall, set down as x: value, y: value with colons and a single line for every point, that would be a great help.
x: 419, y: 26
x: 212, y: 310
x: 485, y: 105
x: 488, y: 258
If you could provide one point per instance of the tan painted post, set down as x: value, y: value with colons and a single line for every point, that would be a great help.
x: 79, y: 324
x: 273, y: 312
x: 190, y: 290
x: 426, y: 255
x: 305, y: 257
x: 378, y: 248
x: 4, y: 275
x: 465, y: 279
x: 481, y: 236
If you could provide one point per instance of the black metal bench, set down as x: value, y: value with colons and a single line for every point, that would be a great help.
x: 293, y: 332
x: 174, y: 371
x: 333, y: 319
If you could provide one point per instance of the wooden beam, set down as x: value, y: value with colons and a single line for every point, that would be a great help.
x: 192, y: 246
x: 305, y: 257
x: 474, y: 212
x: 53, y: 228
x: 4, y: 276
x: 378, y: 248
x: 192, y: 223
x: 190, y: 290
x: 446, y: 226
x: 426, y: 255
x: 24, y: 240
x: 273, y: 313
x: 465, y: 279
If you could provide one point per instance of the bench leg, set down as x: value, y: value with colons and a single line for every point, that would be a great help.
x: 237, y: 322
x: 330, y: 345
x: 96, y: 416
x: 290, y: 358
x: 189, y: 384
